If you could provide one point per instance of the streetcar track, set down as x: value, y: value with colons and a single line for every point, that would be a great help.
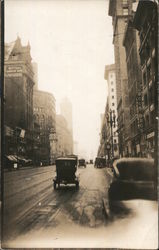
x: 24, y: 224
x: 22, y: 177
x: 27, y: 188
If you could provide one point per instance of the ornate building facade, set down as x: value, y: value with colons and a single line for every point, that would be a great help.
x: 120, y: 11
x: 45, y: 116
x: 110, y: 76
x: 18, y: 94
x: 146, y: 22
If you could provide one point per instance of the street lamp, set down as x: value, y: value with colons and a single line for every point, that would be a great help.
x: 111, y: 119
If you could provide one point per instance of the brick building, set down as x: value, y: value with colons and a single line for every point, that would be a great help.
x: 136, y: 145
x: 45, y: 116
x: 146, y: 22
x: 18, y: 94
x: 105, y: 147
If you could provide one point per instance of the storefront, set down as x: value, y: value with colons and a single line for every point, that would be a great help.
x: 150, y: 143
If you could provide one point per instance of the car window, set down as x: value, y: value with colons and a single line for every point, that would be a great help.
x: 136, y: 171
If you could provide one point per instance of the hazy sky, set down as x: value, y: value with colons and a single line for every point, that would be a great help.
x: 71, y: 40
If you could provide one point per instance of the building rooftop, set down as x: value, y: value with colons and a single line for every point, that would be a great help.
x: 108, y: 68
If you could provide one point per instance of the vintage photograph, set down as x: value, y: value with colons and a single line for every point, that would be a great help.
x: 80, y: 123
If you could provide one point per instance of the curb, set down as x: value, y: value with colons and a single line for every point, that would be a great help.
x: 106, y: 207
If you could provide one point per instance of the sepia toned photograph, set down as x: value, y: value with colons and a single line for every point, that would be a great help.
x: 80, y: 124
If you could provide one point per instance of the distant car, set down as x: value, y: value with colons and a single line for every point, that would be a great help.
x: 133, y: 178
x: 82, y: 162
x: 100, y: 162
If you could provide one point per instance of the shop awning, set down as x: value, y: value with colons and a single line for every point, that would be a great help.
x: 12, y: 158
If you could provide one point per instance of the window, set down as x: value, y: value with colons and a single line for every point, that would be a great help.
x: 114, y: 140
x: 147, y: 120
x: 111, y: 83
x: 113, y: 104
x: 125, y: 11
x: 112, y: 96
x: 152, y: 117
x: 145, y: 100
x: 151, y: 95
x: 112, y: 90
x: 144, y: 78
x: 149, y: 72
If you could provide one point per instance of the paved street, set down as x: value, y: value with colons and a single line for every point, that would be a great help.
x: 31, y: 202
x: 36, y: 215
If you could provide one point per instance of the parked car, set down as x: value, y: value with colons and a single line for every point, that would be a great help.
x: 133, y: 178
x: 66, y: 168
x: 11, y: 162
x: 82, y: 162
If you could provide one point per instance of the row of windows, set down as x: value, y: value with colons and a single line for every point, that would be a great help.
x: 125, y: 11
x: 39, y: 109
x: 148, y: 73
x: 149, y: 97
x: 149, y: 119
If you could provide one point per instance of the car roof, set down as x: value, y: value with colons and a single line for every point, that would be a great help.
x: 66, y: 158
x: 134, y: 159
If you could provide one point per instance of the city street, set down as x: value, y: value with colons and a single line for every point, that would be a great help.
x: 30, y: 200
x: 35, y: 215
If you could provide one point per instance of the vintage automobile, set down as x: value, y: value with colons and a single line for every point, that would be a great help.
x: 82, y: 163
x: 100, y: 162
x: 66, y: 168
x: 133, y: 178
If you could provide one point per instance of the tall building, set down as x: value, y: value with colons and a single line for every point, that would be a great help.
x: 64, y: 140
x: 110, y: 76
x: 66, y: 112
x: 131, y: 44
x: 75, y: 147
x: 101, y: 148
x: 120, y: 11
x: 35, y: 70
x: 45, y: 116
x: 105, y: 147
x: 146, y: 22
x: 18, y: 92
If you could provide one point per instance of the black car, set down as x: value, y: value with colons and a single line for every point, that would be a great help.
x: 66, y: 168
x: 82, y: 163
x: 133, y: 178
